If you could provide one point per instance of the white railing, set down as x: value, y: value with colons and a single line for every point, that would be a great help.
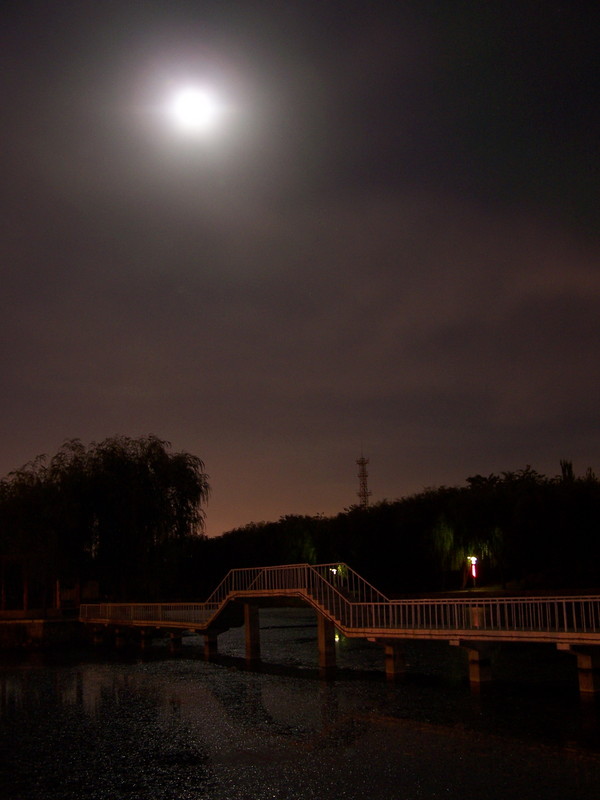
x: 580, y: 614
x: 354, y: 605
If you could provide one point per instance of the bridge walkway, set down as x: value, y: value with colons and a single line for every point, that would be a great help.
x: 343, y: 600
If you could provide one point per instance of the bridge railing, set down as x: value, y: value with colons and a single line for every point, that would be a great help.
x: 333, y: 587
x: 348, y: 583
x: 152, y: 613
x: 297, y: 576
x: 579, y: 614
x: 354, y: 604
x: 261, y: 579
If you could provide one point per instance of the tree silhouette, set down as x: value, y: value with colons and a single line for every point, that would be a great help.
x: 106, y: 512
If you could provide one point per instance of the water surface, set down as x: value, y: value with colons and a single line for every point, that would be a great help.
x: 153, y: 726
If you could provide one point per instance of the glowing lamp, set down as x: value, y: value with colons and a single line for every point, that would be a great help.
x: 473, y: 563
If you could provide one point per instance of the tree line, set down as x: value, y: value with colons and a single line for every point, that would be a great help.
x: 117, y: 514
x: 527, y: 531
x: 126, y: 516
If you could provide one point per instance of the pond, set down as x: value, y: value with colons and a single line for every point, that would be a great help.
x: 150, y: 725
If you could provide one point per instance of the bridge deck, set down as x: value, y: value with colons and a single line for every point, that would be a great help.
x: 357, y: 609
x: 344, y: 600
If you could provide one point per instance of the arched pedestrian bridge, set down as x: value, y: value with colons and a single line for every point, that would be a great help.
x: 344, y: 601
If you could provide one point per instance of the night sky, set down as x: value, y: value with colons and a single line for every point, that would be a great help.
x: 387, y: 242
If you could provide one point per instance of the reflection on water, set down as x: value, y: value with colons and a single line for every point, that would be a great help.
x: 154, y: 726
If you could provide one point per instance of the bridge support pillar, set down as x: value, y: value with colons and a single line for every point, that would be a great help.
x: 97, y: 635
x: 174, y: 642
x: 211, y: 647
x: 120, y: 638
x: 326, y: 642
x: 395, y: 663
x: 588, y: 668
x: 145, y: 638
x: 252, y: 632
x: 480, y: 665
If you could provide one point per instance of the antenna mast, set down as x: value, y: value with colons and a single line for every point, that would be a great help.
x: 363, y: 492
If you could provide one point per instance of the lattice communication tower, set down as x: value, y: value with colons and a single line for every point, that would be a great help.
x: 363, y: 492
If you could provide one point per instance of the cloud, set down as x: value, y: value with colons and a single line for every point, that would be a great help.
x: 370, y: 256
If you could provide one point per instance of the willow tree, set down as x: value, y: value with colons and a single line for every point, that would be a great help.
x: 107, y: 511
x: 27, y: 554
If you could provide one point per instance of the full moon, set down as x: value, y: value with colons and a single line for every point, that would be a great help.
x: 195, y: 110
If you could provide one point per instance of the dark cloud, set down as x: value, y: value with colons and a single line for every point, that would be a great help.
x: 391, y: 245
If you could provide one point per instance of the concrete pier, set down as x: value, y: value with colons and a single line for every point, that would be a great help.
x: 326, y: 644
x: 98, y: 635
x: 252, y: 633
x: 120, y: 637
x: 588, y: 668
x: 395, y: 662
x: 480, y: 665
x: 211, y: 647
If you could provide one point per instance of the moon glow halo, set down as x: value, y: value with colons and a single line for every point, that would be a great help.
x: 195, y: 110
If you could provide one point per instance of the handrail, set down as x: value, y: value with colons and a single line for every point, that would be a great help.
x: 355, y: 605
